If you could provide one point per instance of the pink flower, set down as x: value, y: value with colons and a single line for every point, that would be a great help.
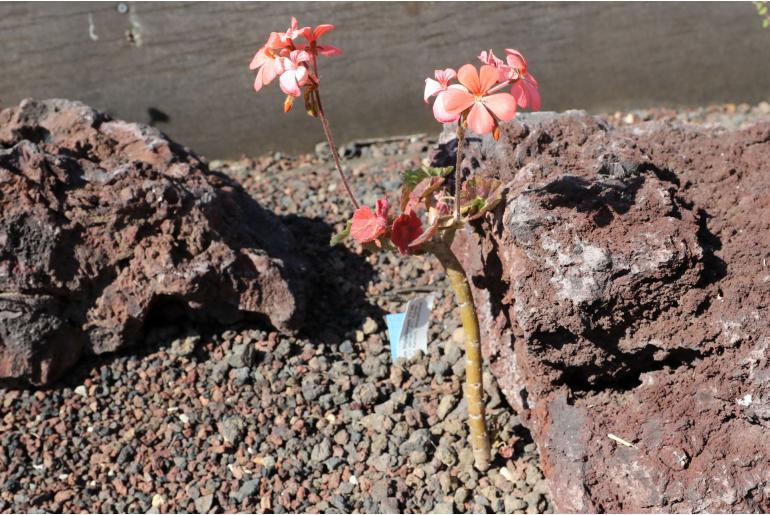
x: 286, y: 39
x: 485, y: 109
x: 438, y: 87
x: 278, y: 45
x: 525, y: 90
x: 367, y: 225
x: 293, y: 72
x: 265, y: 60
x: 406, y: 228
x: 312, y: 37
x: 505, y: 71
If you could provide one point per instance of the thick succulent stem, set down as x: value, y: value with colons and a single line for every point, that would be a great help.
x: 333, y: 147
x: 474, y: 387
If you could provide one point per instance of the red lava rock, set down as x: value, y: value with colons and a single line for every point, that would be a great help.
x: 622, y: 289
x: 105, y: 225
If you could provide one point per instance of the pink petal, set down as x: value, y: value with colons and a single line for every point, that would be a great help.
x: 299, y: 56
x: 268, y: 74
x: 260, y: 58
x: 480, y: 121
x: 432, y: 87
x: 526, y: 94
x: 440, y: 113
x: 489, y: 76
x: 289, y: 84
x: 534, y: 95
x: 502, y: 105
x: 282, y: 64
x: 469, y: 77
x: 258, y: 80
x: 328, y: 50
x: 321, y: 30
x: 457, y: 100
x: 516, y: 60
x: 302, y: 77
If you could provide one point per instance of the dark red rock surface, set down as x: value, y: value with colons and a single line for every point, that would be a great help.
x: 624, y: 289
x: 106, y: 224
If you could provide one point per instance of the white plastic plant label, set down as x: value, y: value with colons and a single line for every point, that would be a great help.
x: 408, y: 332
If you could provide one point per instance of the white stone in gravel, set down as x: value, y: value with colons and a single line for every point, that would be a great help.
x: 370, y: 326
x: 445, y: 406
x: 81, y: 390
x: 203, y: 503
x: 513, y: 504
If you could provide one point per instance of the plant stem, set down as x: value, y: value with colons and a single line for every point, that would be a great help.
x: 474, y: 387
x: 333, y: 147
x: 458, y: 166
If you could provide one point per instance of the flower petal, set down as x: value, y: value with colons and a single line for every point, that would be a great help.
x: 480, y: 121
x: 526, y: 94
x: 440, y: 113
x: 489, y: 76
x: 457, y: 100
x: 432, y: 87
x: 258, y: 80
x: 328, y: 50
x: 322, y: 29
x: 302, y: 76
x: 534, y: 95
x: 502, y: 105
x: 516, y: 60
x: 289, y: 84
x: 469, y: 77
x: 259, y: 59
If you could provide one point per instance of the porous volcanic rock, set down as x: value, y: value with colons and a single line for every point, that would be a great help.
x: 623, y: 289
x: 105, y: 225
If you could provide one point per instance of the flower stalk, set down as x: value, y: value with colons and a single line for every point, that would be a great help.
x: 333, y: 147
x: 458, y: 167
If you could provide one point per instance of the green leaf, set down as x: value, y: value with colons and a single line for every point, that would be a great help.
x: 412, y: 178
x: 766, y: 23
x: 337, y: 238
x: 479, y: 195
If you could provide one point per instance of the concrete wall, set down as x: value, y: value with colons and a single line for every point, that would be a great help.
x: 184, y: 66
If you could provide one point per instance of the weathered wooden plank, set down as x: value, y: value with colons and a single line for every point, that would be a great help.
x: 184, y: 65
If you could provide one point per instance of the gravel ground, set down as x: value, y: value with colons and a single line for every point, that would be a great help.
x: 244, y: 419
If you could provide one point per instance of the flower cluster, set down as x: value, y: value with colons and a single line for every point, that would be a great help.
x: 475, y: 101
x: 293, y: 62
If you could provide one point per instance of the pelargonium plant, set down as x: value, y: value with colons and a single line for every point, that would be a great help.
x: 430, y: 209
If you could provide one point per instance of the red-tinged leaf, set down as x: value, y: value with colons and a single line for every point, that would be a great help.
x: 423, y: 191
x: 480, y: 195
x: 406, y: 228
x: 367, y: 225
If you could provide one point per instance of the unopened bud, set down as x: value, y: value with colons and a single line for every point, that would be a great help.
x: 288, y: 103
x: 496, y: 132
x: 311, y: 106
